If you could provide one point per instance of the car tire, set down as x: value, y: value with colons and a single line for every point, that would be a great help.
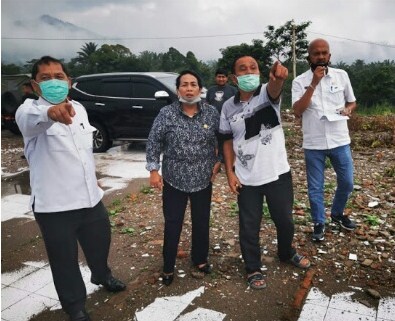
x: 101, y: 141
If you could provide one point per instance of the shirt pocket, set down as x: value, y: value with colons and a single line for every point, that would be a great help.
x: 336, y: 95
x: 59, y: 138
x: 86, y: 132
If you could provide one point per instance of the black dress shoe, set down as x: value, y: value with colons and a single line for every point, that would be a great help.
x: 111, y: 284
x: 80, y: 316
x: 167, y: 279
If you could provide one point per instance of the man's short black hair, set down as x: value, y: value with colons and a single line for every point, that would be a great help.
x: 221, y: 71
x: 190, y: 72
x: 46, y: 60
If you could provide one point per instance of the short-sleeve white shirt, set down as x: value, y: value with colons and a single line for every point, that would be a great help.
x: 332, y: 93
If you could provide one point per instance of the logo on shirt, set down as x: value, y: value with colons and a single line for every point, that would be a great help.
x: 265, y: 135
x: 219, y: 95
x: 244, y: 158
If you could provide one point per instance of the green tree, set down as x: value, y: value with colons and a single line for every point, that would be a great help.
x: 279, y: 41
x: 10, y: 69
x: 373, y: 83
x: 87, y: 50
x: 173, y: 60
x: 257, y: 50
x: 150, y: 61
x: 111, y: 58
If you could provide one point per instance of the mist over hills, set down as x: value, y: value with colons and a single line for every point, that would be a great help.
x: 25, y: 42
x: 21, y: 50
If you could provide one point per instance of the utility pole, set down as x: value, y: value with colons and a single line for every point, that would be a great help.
x: 294, y: 50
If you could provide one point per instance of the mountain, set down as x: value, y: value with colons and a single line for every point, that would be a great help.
x: 27, y: 39
x: 55, y: 23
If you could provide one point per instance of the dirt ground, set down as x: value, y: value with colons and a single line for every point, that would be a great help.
x: 137, y: 222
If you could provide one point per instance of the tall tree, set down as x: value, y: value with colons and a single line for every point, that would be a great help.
x: 173, y: 60
x: 87, y: 50
x: 113, y: 58
x: 10, y: 69
x: 279, y: 41
x: 257, y: 50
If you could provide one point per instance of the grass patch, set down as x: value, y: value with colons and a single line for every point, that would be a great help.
x: 372, y: 220
x: 383, y: 109
x: 146, y: 190
x: 234, y: 209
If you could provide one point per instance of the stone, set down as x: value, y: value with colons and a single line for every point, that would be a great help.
x: 367, y: 262
x: 373, y: 293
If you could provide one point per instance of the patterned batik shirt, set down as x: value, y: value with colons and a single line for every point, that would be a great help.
x: 188, y: 145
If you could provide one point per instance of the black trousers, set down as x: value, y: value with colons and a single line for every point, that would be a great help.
x: 174, y: 206
x: 61, y: 231
x: 279, y: 198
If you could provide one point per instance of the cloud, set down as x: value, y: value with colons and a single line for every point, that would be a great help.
x: 143, y: 25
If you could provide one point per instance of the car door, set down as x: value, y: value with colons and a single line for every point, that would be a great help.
x: 146, y: 107
x: 116, y: 98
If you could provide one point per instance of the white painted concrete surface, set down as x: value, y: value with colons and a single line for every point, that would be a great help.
x: 341, y: 307
x: 170, y: 309
x: 30, y: 290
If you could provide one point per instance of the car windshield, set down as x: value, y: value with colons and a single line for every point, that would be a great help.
x: 169, y: 81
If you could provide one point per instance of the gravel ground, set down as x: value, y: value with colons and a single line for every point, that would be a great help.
x: 364, y: 258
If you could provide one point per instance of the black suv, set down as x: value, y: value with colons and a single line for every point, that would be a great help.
x: 123, y: 105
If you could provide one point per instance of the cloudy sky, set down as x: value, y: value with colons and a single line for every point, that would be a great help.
x: 356, y: 29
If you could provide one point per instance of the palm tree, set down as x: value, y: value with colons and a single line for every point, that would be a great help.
x: 86, y: 51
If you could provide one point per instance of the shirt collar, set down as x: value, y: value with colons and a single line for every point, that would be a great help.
x: 257, y: 91
x: 179, y: 107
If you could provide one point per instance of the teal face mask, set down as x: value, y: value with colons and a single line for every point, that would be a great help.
x: 248, y: 83
x: 54, y: 90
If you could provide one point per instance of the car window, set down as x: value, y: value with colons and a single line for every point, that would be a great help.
x: 169, y: 81
x: 91, y: 87
x: 116, y: 88
x: 144, y: 90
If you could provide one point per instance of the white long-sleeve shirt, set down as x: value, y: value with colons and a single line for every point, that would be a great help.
x: 60, y: 157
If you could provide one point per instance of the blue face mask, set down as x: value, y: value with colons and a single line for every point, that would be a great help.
x: 248, y: 83
x: 54, y: 90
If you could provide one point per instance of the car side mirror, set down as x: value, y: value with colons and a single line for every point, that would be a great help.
x: 161, y: 94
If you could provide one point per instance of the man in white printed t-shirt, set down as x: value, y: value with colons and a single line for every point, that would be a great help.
x: 254, y: 143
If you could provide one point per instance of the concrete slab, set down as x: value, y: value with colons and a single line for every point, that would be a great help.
x: 344, y: 302
x: 16, y: 205
x: 167, y: 308
x: 342, y: 307
x: 201, y: 314
x: 24, y: 309
x: 386, y: 309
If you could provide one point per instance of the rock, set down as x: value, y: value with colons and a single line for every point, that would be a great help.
x: 367, y: 262
x: 230, y: 242
x: 373, y: 204
x: 385, y: 234
x: 373, y: 293
x: 267, y: 259
x: 352, y: 257
x: 181, y: 254
x: 197, y: 275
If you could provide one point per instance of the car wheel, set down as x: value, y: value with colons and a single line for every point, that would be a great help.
x: 101, y: 141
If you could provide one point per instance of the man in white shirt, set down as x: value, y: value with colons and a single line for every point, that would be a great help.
x: 324, y: 98
x: 254, y: 143
x: 66, y: 199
